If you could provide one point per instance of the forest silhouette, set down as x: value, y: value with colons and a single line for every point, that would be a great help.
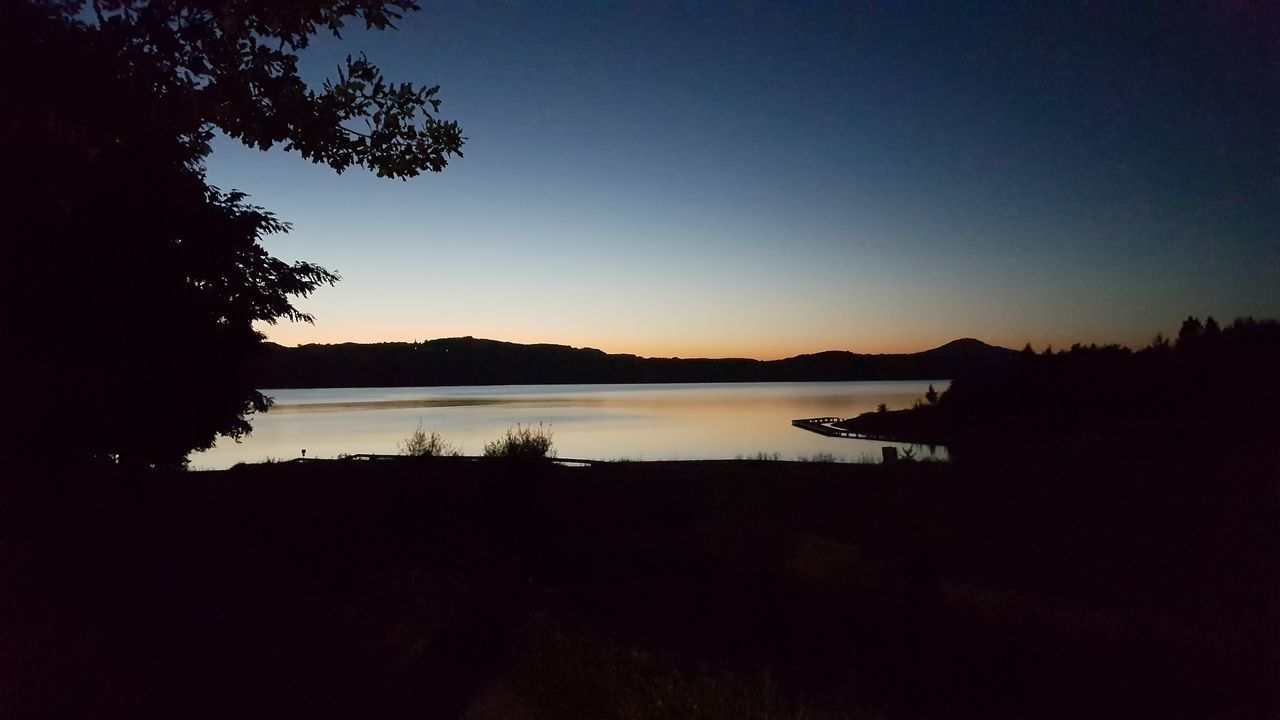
x: 1164, y: 398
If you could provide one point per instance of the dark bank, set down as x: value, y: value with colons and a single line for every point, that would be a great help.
x: 452, y: 587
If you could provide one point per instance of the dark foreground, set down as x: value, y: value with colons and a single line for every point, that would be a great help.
x: 644, y: 590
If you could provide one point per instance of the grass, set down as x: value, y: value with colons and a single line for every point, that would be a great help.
x: 822, y: 457
x: 761, y: 457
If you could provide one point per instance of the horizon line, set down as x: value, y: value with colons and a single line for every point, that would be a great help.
x: 647, y: 357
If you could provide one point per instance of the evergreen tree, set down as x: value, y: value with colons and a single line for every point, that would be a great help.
x: 1189, y: 333
x: 1211, y: 329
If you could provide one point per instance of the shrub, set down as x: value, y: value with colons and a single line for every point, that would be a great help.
x: 522, y: 442
x: 420, y: 444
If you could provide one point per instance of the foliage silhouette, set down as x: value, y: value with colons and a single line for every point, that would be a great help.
x: 1190, y: 332
x: 1109, y: 398
x: 117, y: 234
x: 523, y: 442
x: 421, y: 444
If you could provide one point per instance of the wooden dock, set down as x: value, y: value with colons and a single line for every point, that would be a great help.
x: 823, y: 426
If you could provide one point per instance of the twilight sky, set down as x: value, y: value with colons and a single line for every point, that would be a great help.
x: 751, y: 179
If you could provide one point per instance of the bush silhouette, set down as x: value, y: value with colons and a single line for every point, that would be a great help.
x: 421, y: 444
x: 522, y: 442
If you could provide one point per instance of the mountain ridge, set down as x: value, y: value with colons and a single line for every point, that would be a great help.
x: 479, y: 361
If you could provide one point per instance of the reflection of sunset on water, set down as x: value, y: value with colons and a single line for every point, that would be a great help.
x: 649, y: 422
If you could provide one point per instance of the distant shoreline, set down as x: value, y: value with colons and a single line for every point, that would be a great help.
x: 467, y: 361
x: 446, y: 403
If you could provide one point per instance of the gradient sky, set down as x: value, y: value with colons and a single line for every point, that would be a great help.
x: 750, y: 179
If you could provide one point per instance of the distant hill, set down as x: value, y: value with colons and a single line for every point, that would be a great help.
x: 471, y: 361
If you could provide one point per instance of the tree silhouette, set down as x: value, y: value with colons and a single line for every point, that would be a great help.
x: 1211, y: 329
x: 132, y: 284
x: 1190, y: 332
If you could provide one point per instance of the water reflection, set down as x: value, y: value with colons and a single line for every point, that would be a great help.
x: 639, y: 422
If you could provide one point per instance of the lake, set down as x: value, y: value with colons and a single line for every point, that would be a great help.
x: 599, y: 422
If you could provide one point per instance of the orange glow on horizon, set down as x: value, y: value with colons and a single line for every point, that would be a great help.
x: 765, y: 349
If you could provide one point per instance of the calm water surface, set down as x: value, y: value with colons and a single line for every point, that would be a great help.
x: 603, y: 422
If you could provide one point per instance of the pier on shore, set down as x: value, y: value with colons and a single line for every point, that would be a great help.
x: 825, y: 426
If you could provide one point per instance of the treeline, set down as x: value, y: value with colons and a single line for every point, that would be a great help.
x: 471, y: 361
x: 1209, y: 383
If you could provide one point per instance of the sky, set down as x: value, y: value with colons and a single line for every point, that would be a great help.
x: 764, y: 180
